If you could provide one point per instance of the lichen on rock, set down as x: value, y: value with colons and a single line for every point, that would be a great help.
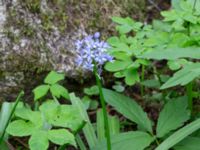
x: 39, y: 35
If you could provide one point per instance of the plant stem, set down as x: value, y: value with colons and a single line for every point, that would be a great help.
x: 102, y: 100
x: 142, y: 78
x: 189, y: 88
x: 11, y: 114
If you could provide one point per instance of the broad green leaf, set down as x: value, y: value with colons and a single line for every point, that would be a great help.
x: 61, y: 137
x: 28, y: 114
x: 88, y: 129
x: 172, y: 53
x: 39, y: 141
x: 173, y: 115
x: 179, y: 135
x: 40, y: 91
x: 92, y: 90
x: 127, y: 141
x: 129, y: 108
x: 131, y: 76
x: 20, y: 128
x: 183, y: 76
x: 189, y: 143
x: 152, y: 83
x: 53, y: 77
x: 61, y: 115
x: 117, y: 65
x: 58, y: 91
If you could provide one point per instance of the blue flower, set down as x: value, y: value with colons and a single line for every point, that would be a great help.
x: 92, y: 50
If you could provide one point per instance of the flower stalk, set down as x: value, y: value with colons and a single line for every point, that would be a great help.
x: 103, y: 105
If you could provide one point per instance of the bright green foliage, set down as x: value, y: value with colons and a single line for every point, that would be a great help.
x: 40, y: 91
x: 56, y: 89
x: 61, y: 137
x: 172, y: 53
x: 172, y: 116
x: 92, y: 90
x: 39, y: 140
x: 127, y: 141
x: 183, y: 76
x: 179, y: 135
x: 129, y: 108
x: 126, y: 24
x: 88, y: 129
x: 39, y: 124
x: 53, y: 77
x: 114, y: 125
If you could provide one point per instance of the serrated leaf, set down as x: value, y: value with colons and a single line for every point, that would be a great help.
x: 173, y: 115
x: 129, y: 108
x: 53, y: 77
x: 183, y: 76
x: 61, y: 137
x: 20, y: 128
x: 39, y: 141
x: 40, y: 91
x: 127, y: 141
x: 179, y: 135
x: 58, y: 91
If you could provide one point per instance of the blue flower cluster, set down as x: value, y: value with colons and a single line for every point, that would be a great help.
x: 92, y: 50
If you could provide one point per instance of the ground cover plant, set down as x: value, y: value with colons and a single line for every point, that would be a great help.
x: 160, y: 59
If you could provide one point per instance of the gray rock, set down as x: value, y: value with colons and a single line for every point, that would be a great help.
x: 38, y: 36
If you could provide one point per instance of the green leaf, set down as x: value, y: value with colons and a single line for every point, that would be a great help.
x: 189, y: 143
x: 92, y: 90
x: 28, y: 114
x: 131, y: 76
x: 173, y: 115
x: 183, y: 76
x: 5, y: 112
x: 39, y: 141
x: 58, y: 91
x: 53, y: 77
x: 179, y: 135
x: 127, y: 141
x: 114, y: 125
x: 152, y: 83
x: 61, y: 115
x: 117, y: 65
x: 172, y: 53
x: 40, y: 91
x: 61, y: 137
x: 20, y: 128
x: 129, y: 108
x: 88, y: 129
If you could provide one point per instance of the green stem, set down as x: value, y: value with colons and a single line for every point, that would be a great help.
x: 11, y: 114
x: 142, y: 78
x: 189, y: 88
x: 102, y: 100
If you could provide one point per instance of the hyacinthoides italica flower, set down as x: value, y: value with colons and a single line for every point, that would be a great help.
x: 92, y: 54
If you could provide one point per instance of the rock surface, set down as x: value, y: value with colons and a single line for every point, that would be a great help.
x: 38, y: 36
